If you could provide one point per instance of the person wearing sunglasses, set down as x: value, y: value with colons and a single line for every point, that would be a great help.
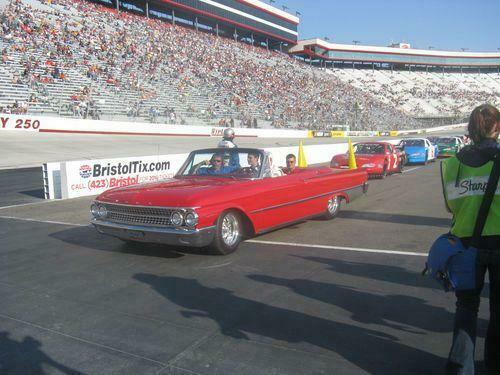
x: 215, y: 166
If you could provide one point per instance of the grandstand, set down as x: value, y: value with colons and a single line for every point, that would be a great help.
x: 85, y: 59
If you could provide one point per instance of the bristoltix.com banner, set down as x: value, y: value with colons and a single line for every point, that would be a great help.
x: 90, y: 177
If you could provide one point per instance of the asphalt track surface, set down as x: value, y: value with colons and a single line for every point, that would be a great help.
x: 320, y: 297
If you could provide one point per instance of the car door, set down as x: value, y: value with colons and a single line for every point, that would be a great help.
x: 274, y: 200
x: 393, y: 157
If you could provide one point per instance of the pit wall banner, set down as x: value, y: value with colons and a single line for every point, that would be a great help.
x: 90, y: 177
x: 44, y: 124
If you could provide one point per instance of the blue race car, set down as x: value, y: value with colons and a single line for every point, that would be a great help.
x: 419, y: 150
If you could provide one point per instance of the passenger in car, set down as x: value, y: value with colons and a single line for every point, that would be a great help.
x: 271, y: 169
x: 291, y: 163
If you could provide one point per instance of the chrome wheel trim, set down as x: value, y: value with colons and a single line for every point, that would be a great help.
x: 230, y: 229
x: 333, y: 205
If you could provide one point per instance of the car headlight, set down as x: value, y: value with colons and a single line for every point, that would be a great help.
x: 380, y: 166
x: 369, y: 165
x: 94, y: 210
x: 417, y: 154
x: 191, y: 219
x: 102, y: 212
x: 176, y: 219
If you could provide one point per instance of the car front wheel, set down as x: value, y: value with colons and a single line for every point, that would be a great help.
x: 229, y: 233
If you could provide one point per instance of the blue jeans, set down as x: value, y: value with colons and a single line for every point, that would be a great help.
x: 461, y: 357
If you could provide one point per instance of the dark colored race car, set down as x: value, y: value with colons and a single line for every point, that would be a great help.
x: 448, y: 146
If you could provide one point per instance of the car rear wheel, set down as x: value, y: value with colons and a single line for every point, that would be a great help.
x: 228, y: 234
x: 332, y: 207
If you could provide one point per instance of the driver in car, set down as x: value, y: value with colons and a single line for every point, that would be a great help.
x: 216, y: 167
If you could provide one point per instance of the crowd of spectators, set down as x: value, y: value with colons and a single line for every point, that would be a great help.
x: 427, y: 93
x: 162, y: 71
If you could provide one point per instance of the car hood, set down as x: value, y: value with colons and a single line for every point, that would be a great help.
x: 360, y: 158
x: 175, y: 192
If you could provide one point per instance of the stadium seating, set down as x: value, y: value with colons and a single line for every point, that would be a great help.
x: 76, y: 58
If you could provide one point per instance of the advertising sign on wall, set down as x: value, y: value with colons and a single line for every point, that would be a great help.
x: 89, y: 177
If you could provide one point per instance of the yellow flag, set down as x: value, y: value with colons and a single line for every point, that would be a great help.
x: 302, y: 157
x: 352, y: 158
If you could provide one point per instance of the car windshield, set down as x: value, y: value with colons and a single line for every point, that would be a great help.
x: 368, y: 148
x: 446, y: 141
x: 241, y: 163
x: 414, y: 142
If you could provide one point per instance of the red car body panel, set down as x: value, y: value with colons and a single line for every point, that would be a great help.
x: 267, y: 203
x: 391, y: 156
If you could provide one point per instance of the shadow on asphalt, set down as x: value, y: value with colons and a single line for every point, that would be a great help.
x: 25, y: 357
x: 400, y: 312
x: 372, y: 350
x: 391, y: 274
x: 396, y: 218
x: 387, y: 273
x: 88, y: 237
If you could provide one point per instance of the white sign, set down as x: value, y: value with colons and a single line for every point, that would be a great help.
x: 90, y: 177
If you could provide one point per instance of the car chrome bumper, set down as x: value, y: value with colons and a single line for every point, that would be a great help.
x: 167, y: 236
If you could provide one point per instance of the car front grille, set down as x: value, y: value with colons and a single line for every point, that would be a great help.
x: 139, y: 215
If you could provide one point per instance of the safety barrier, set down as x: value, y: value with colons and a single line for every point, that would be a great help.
x: 81, y: 126
x: 43, y: 124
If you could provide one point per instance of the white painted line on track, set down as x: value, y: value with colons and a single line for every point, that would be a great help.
x: 214, y: 266
x: 411, y: 169
x: 26, y: 204
x: 343, y: 248
x: 44, y: 221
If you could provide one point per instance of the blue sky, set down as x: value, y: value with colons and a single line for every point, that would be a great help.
x: 442, y: 24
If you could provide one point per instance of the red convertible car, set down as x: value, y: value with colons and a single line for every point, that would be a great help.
x: 378, y: 158
x: 220, y: 197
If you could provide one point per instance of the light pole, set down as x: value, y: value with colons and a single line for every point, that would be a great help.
x: 431, y: 47
x: 356, y: 42
x: 464, y: 49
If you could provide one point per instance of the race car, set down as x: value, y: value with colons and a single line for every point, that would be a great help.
x: 419, y: 150
x: 378, y: 158
x: 449, y: 146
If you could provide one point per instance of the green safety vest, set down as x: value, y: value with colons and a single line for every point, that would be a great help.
x: 464, y: 193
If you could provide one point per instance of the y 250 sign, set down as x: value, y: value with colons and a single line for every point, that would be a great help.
x: 19, y: 123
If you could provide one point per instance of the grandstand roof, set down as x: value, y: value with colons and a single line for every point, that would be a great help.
x: 318, y: 48
x: 270, y: 9
x: 253, y: 16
